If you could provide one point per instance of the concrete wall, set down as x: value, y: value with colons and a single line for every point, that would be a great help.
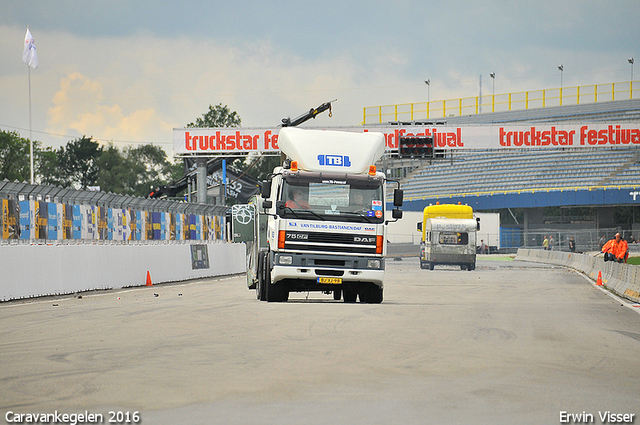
x: 39, y: 270
x: 622, y: 279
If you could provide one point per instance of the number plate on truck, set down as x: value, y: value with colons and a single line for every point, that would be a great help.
x: 330, y: 280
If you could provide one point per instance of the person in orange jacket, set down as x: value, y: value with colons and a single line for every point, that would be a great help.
x: 616, y: 249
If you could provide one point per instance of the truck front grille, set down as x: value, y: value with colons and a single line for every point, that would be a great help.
x: 330, y: 242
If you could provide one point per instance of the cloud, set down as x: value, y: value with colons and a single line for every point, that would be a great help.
x: 79, y: 107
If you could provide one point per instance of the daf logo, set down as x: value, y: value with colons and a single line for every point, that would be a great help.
x: 364, y: 239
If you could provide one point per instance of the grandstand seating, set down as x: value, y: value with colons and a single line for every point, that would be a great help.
x: 489, y: 171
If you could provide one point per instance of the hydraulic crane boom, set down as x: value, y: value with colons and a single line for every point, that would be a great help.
x: 287, y: 122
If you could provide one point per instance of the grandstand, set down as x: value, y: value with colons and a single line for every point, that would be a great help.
x: 489, y: 171
x: 601, y: 178
x: 482, y: 172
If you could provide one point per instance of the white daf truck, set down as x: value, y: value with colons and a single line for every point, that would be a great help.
x: 325, y: 210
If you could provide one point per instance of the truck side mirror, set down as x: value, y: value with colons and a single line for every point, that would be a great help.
x: 265, y: 190
x: 396, y: 214
x: 477, y: 223
x: 397, y: 197
x: 419, y: 226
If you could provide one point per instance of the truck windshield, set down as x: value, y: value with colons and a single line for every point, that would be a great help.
x: 321, y: 198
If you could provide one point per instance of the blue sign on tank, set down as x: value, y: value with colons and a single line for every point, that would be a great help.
x: 334, y: 160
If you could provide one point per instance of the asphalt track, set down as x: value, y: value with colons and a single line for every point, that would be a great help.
x: 508, y: 343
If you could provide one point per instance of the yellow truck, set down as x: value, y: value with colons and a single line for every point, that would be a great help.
x: 448, y: 236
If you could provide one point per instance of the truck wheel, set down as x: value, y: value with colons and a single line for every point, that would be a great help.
x: 463, y: 267
x: 349, y: 295
x: 275, y: 292
x: 423, y: 265
x: 471, y: 266
x: 431, y: 265
x: 371, y: 294
x: 337, y: 294
x: 260, y: 287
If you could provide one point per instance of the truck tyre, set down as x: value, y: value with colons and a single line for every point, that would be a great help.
x: 423, y: 264
x: 337, y: 294
x: 274, y: 292
x: 431, y: 265
x: 349, y: 295
x: 371, y: 294
x: 472, y: 266
x: 260, y: 287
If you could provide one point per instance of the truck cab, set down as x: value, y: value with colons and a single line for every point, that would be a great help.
x: 325, y: 212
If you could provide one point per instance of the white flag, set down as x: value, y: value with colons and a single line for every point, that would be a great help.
x: 29, y: 55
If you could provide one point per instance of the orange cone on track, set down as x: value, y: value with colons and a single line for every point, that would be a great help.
x: 599, y: 282
x: 148, y: 279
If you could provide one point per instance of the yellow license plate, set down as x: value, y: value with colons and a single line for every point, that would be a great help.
x: 332, y: 280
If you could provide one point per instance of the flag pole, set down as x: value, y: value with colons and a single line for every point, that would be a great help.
x: 30, y: 132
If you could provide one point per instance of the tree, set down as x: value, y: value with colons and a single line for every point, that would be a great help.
x: 14, y: 157
x: 217, y: 116
x: 74, y: 165
x: 114, y: 172
x: 135, y: 170
x: 152, y: 168
x: 48, y: 166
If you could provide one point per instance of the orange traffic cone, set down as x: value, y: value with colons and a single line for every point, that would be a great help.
x: 148, y: 279
x: 599, y: 282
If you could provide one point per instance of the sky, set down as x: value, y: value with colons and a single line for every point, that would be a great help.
x: 128, y: 72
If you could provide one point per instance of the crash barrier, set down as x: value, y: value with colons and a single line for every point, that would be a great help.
x: 49, y: 214
x: 622, y: 279
x: 41, y: 270
x: 60, y: 241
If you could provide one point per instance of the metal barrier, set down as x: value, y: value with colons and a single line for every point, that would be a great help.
x: 504, y: 102
x: 55, y: 215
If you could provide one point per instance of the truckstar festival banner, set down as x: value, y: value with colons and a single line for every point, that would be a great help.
x: 203, y: 141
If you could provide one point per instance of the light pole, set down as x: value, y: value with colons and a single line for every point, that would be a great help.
x: 561, y: 68
x: 630, y: 60
x: 428, y: 83
x: 493, y: 92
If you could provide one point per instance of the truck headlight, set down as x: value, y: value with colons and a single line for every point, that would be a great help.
x: 286, y: 260
x: 373, y: 264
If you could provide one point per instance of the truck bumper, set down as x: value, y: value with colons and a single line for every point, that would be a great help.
x: 453, y: 259
x: 305, y: 270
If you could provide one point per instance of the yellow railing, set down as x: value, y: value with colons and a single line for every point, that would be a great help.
x: 501, y: 102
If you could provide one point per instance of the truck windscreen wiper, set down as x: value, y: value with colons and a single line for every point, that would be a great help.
x: 358, y: 214
x: 296, y: 211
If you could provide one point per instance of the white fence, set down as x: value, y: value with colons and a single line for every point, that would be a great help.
x: 41, y: 270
